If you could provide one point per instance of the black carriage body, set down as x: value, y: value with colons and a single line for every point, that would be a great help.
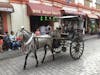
x: 73, y: 32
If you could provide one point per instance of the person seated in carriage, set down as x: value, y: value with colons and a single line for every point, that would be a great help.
x: 37, y: 32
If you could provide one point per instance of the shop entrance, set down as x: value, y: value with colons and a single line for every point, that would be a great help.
x: 1, y: 24
x: 37, y: 21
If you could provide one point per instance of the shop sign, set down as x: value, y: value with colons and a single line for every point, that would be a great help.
x: 86, y: 11
x: 46, y: 12
x: 46, y: 18
x: 68, y: 8
x: 36, y: 11
x: 55, y: 13
x: 6, y: 9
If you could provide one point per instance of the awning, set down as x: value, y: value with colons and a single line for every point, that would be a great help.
x: 73, y: 12
x: 6, y: 7
x: 92, y: 16
x: 42, y: 10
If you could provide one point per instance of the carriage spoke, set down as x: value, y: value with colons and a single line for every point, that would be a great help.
x: 76, y: 49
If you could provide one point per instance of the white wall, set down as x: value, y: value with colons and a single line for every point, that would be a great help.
x: 9, y: 22
x: 79, y: 1
x: 94, y: 3
x: 4, y: 0
x: 19, y: 17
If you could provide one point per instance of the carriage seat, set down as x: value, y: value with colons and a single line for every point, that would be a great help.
x: 64, y: 34
x: 43, y: 36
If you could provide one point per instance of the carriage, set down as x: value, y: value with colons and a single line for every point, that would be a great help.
x: 57, y: 41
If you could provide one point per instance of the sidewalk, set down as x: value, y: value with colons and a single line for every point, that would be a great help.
x: 89, y: 37
x: 15, y: 53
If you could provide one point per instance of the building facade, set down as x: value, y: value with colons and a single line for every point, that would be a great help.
x: 33, y: 13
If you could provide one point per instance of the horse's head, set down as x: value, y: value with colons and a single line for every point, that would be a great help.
x: 23, y: 35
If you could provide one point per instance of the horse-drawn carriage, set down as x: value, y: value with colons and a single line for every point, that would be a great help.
x: 58, y: 39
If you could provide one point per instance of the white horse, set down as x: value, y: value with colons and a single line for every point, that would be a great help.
x: 35, y: 42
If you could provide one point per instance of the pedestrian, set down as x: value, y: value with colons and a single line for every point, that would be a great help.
x: 1, y: 44
x: 12, y: 36
x: 14, y: 42
x: 7, y: 41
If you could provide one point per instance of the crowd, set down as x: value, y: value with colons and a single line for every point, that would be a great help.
x: 8, y: 42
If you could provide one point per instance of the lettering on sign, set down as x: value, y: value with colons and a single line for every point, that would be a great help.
x: 46, y: 12
x: 56, y: 13
x: 6, y: 9
x: 36, y: 11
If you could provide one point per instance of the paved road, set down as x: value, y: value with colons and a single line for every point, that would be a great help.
x: 89, y: 64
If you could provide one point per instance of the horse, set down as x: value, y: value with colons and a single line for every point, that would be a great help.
x: 35, y: 42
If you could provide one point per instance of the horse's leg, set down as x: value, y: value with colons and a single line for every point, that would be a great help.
x: 45, y: 49
x: 52, y: 51
x: 26, y: 59
x: 36, y: 58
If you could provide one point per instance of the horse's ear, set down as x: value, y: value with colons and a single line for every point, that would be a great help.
x: 22, y: 27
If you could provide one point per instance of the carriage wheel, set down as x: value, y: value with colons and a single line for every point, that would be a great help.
x: 76, y: 49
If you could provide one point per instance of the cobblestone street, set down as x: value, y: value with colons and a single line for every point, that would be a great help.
x: 63, y: 64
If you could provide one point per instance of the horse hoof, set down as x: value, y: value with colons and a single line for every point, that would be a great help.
x: 36, y: 65
x: 42, y: 61
x: 24, y: 68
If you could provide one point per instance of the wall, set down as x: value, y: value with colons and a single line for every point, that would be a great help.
x: 9, y: 22
x: 79, y: 1
x: 19, y: 17
x: 4, y: 0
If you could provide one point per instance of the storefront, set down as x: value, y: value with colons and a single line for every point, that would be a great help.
x: 40, y: 14
x: 78, y: 22
x: 92, y: 23
x: 5, y: 10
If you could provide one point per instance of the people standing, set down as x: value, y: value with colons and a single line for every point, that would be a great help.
x: 7, y: 41
x: 43, y: 30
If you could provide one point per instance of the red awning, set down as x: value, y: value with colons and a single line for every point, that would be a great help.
x: 6, y: 7
x: 42, y: 10
x: 74, y: 12
x: 92, y: 16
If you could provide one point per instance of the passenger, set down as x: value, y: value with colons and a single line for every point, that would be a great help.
x: 43, y: 30
x: 37, y: 32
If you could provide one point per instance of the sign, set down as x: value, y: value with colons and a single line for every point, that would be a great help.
x: 6, y: 9
x: 36, y: 11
